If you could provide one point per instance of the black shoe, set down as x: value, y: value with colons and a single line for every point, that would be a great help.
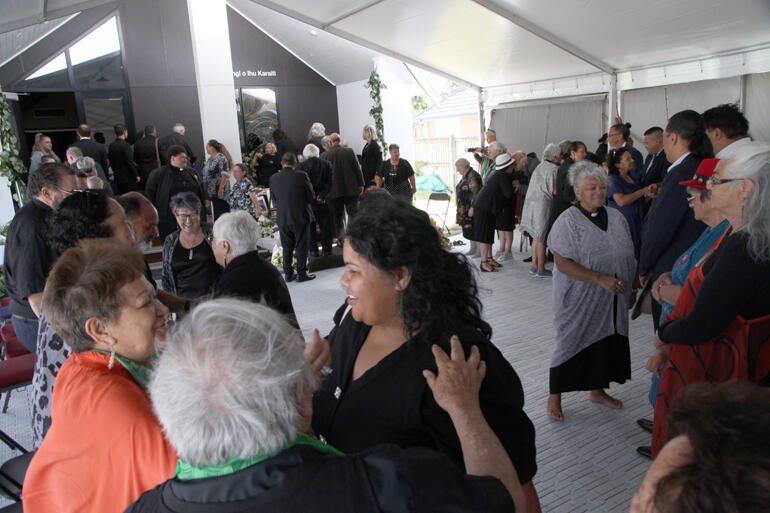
x: 645, y: 450
x: 290, y: 277
x: 528, y: 259
x: 305, y: 277
x: 645, y: 424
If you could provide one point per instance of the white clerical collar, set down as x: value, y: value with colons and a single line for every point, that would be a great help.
x: 727, y: 150
x: 677, y: 162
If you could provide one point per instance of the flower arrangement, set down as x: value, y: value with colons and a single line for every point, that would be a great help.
x: 277, y: 258
x: 267, y: 227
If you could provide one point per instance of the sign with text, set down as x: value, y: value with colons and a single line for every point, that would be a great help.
x: 255, y: 73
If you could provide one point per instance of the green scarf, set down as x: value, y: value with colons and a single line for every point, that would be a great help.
x: 186, y: 471
x: 489, y: 166
x: 139, y: 372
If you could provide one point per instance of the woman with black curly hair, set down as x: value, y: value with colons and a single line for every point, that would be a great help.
x: 89, y: 214
x: 405, y: 294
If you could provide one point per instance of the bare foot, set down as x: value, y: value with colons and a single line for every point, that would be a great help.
x: 602, y: 397
x: 554, y: 407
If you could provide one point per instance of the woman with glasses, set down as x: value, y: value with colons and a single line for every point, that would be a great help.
x: 189, y: 266
x: 81, y: 215
x: 725, y: 301
x: 168, y: 181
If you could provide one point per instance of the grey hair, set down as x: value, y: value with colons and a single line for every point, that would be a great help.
x: 229, y: 381
x: 490, y: 131
x: 239, y: 229
x: 462, y: 163
x: 317, y: 130
x: 74, y: 152
x: 86, y: 164
x: 178, y: 128
x: 584, y: 169
x: 551, y: 151
x: 371, y: 133
x: 564, y: 146
x: 326, y: 140
x: 497, y: 145
x: 752, y: 162
x: 310, y: 151
x: 184, y: 200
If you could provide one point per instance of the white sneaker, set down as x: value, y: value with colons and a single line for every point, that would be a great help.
x: 507, y: 256
x: 498, y: 255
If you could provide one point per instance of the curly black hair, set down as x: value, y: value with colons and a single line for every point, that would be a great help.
x: 79, y: 216
x: 727, y: 426
x: 442, y: 293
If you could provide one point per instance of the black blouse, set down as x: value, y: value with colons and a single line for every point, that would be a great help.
x: 391, y: 402
x: 734, y: 284
x: 598, y: 218
x: 195, y: 270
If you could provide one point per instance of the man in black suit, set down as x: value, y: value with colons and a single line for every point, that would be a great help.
x: 320, y: 173
x: 175, y: 138
x: 90, y: 147
x: 655, y: 164
x: 293, y: 195
x: 146, y: 154
x: 670, y: 227
x: 347, y: 182
x: 123, y: 167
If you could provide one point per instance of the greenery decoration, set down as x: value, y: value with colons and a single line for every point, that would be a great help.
x: 375, y: 85
x: 11, y: 166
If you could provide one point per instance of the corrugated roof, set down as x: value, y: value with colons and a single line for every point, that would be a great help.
x: 463, y: 102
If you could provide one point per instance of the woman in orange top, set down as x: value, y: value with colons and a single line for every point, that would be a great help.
x: 105, y: 446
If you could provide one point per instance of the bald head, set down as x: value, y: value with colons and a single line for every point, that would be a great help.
x: 141, y: 214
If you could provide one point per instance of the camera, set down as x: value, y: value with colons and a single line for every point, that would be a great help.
x: 470, y: 150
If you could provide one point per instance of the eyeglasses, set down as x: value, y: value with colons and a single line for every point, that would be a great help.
x: 65, y: 191
x: 718, y: 181
x: 186, y: 217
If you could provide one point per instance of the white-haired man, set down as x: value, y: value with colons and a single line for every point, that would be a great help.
x: 175, y: 138
x: 320, y: 173
x: 244, y: 441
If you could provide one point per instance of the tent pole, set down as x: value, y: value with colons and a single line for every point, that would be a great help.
x: 482, y: 123
x: 612, y: 99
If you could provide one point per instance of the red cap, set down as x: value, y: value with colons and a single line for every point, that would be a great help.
x: 702, y: 174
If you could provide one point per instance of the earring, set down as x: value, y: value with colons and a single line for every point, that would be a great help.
x: 225, y: 260
x: 112, y: 357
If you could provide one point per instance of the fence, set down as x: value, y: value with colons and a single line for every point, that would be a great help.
x: 440, y: 154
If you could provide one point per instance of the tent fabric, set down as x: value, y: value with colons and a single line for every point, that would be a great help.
x: 758, y: 105
x: 431, y: 183
x: 531, y: 127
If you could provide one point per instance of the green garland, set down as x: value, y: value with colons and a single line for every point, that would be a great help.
x: 376, y: 85
x: 11, y: 166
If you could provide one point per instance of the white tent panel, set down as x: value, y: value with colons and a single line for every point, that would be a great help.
x: 531, y: 126
x: 462, y: 39
x: 758, y: 105
x: 635, y: 34
x: 644, y: 108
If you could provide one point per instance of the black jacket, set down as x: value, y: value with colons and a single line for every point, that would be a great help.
x: 293, y: 195
x: 122, y: 162
x: 497, y: 189
x: 172, y: 139
x: 382, y: 479
x: 657, y: 170
x: 669, y: 227
x: 249, y: 276
x: 320, y: 173
x: 347, y: 177
x: 371, y: 161
x: 94, y: 150
x: 285, y: 146
x: 145, y: 155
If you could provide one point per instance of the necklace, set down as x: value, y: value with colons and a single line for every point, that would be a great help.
x: 191, y: 254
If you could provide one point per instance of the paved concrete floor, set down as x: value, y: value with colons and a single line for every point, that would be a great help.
x: 587, y: 463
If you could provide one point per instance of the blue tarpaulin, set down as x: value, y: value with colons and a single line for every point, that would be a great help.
x: 430, y: 183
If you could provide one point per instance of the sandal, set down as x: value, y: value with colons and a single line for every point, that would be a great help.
x: 494, y: 262
x: 484, y: 269
x: 458, y: 243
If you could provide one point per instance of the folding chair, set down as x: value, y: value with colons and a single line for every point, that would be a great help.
x: 13, y: 471
x: 440, y: 196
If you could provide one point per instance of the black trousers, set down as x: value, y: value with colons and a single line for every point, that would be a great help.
x: 295, y: 237
x: 219, y: 207
x: 338, y: 207
x: 323, y: 218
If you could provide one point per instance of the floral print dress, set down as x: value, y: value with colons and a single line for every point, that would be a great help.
x: 466, y: 192
x: 239, y: 196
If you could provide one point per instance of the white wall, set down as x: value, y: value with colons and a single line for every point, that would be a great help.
x: 397, y: 105
x: 353, y: 104
x: 214, y: 72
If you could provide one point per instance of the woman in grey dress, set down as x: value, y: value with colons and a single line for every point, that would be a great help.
x: 595, y: 264
x: 537, y: 207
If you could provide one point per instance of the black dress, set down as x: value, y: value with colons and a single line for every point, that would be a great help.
x: 195, y: 270
x: 391, y: 402
x: 604, y: 361
x: 251, y: 277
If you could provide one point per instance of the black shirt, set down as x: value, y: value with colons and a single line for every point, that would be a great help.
x: 300, y: 479
x: 122, y: 162
x: 148, y: 275
x: 371, y: 161
x: 249, y: 276
x: 195, y: 270
x: 182, y: 182
x: 598, y: 218
x: 734, y: 284
x: 268, y: 166
x: 28, y: 256
x: 391, y: 402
